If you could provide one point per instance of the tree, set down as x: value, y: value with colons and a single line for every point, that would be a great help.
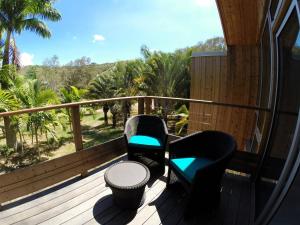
x: 8, y: 101
x: 167, y: 74
x: 31, y: 94
x: 103, y: 87
x: 80, y: 72
x: 19, y: 15
x: 7, y: 79
x: 71, y: 94
x: 50, y: 72
x: 211, y: 45
x: 31, y: 73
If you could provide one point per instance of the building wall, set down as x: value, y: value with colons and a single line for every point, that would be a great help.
x: 231, y: 78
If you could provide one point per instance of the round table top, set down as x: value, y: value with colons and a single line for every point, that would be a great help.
x: 127, y: 175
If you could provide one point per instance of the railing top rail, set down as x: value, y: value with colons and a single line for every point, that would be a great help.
x: 99, y: 101
x: 67, y: 105
x: 208, y: 102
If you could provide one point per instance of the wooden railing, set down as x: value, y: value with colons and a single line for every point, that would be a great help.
x: 34, y: 178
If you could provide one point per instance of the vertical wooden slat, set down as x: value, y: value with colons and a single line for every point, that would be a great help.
x: 141, y: 108
x: 148, y: 105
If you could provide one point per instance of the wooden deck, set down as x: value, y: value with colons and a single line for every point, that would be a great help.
x: 89, y: 201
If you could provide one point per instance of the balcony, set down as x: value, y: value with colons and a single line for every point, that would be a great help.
x: 70, y: 189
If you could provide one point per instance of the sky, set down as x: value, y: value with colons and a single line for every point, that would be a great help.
x: 112, y: 30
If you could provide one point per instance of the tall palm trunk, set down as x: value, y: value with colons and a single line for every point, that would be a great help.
x: 11, y: 135
x: 6, y: 49
x: 114, y: 120
x: 105, y: 111
x: 126, y: 108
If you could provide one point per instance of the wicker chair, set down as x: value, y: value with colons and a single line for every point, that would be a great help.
x: 199, y: 162
x: 146, y: 135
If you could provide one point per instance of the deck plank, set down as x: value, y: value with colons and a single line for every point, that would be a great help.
x: 89, y: 201
x: 98, y: 209
x: 164, y: 207
x: 55, y: 202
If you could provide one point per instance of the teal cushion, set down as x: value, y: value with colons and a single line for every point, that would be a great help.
x: 144, y: 140
x: 188, y: 167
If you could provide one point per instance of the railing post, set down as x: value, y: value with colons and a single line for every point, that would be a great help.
x: 141, y: 108
x: 75, y: 113
x: 148, y: 105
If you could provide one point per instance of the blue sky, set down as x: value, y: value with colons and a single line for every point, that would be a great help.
x: 111, y: 30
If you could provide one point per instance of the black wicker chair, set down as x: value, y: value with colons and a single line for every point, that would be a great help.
x: 146, y: 135
x: 199, y: 162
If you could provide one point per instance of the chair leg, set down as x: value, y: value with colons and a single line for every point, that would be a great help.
x: 130, y: 156
x: 168, y: 177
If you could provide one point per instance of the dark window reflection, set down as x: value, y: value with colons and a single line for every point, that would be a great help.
x: 286, y: 112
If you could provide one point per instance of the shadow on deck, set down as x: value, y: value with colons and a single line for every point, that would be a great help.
x: 88, y: 201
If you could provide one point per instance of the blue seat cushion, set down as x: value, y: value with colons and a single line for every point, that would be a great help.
x: 145, y: 141
x: 188, y: 167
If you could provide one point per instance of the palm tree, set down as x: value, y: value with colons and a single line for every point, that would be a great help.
x: 8, y: 101
x: 71, y: 94
x: 19, y: 15
x: 167, y: 74
x: 128, y: 78
x: 32, y: 94
x: 16, y: 16
x: 103, y: 87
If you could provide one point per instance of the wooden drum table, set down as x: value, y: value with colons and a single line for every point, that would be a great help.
x: 127, y: 181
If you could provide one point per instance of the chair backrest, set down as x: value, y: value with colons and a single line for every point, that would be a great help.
x: 146, y: 125
x: 217, y: 144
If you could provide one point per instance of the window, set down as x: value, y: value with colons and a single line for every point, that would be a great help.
x: 286, y: 109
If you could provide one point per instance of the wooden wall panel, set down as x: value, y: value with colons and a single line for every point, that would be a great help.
x: 28, y: 180
x: 228, y: 79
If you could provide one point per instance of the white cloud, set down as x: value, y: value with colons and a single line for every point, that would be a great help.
x: 205, y: 3
x: 26, y: 59
x: 98, y: 37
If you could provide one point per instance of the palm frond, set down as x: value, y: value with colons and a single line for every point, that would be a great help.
x: 8, y: 101
x: 37, y: 26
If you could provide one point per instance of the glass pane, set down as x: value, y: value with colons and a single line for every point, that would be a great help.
x: 286, y: 112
